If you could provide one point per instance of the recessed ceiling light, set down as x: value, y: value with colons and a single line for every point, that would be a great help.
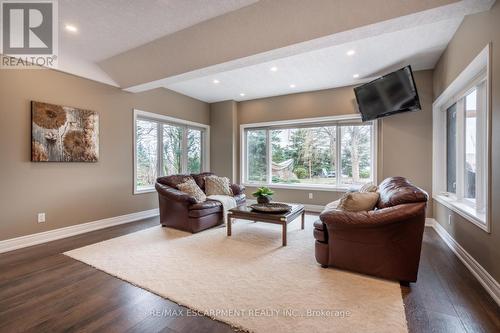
x: 71, y: 28
x: 292, y: 85
x: 215, y: 81
x: 355, y: 76
x: 351, y: 52
x: 242, y: 94
x: 273, y: 69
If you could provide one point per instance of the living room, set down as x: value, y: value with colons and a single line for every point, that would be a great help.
x: 244, y: 165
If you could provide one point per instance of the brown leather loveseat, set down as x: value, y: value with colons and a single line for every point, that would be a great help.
x: 385, y: 242
x: 181, y: 211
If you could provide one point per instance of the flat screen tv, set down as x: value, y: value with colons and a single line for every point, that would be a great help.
x: 392, y: 93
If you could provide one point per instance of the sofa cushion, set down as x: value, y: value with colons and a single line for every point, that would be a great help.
x: 205, y: 208
x: 397, y: 191
x: 205, y: 205
x: 215, y: 185
x: 199, y: 178
x: 190, y: 187
x: 358, y: 201
x: 204, y: 212
x: 173, y: 180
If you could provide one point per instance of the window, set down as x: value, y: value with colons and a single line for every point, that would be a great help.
x: 462, y: 175
x: 471, y: 157
x: 257, y: 155
x: 166, y: 146
x: 451, y: 149
x: 465, y: 128
x: 172, y: 149
x: 147, y: 153
x: 194, y: 150
x: 320, y: 154
x: 461, y: 135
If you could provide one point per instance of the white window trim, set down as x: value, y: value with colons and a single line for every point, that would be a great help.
x: 458, y: 88
x: 332, y: 188
x: 176, y: 121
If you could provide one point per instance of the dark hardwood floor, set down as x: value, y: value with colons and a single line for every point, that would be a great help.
x: 41, y: 290
x: 447, y: 297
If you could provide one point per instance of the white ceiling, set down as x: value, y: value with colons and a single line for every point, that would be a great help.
x: 110, y: 27
x: 329, y: 67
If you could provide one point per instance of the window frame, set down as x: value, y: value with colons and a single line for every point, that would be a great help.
x: 477, y: 75
x: 306, y: 122
x: 160, y: 120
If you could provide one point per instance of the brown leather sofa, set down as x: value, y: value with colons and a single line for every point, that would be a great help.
x: 181, y: 211
x: 385, y: 242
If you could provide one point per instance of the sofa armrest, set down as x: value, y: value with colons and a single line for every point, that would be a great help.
x: 320, y: 232
x: 342, y: 220
x: 174, y: 194
x: 237, y: 189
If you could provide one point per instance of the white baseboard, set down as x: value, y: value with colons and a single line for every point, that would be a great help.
x: 314, y: 208
x: 51, y: 235
x: 486, y: 280
x: 429, y: 222
x: 308, y: 208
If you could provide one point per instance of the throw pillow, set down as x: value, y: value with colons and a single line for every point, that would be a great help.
x: 333, y: 204
x: 190, y: 187
x: 369, y: 187
x: 358, y: 201
x: 217, y: 186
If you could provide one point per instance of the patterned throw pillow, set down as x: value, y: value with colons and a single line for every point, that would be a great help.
x: 190, y: 187
x: 369, y: 187
x: 358, y: 201
x: 217, y: 185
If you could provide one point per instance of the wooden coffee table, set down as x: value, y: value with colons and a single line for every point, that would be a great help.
x: 246, y: 213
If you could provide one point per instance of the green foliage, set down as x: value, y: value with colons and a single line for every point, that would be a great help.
x: 300, y: 172
x: 263, y: 192
x: 256, y: 143
x: 313, y: 151
x: 194, y: 151
x: 364, y: 173
x: 172, y: 151
x: 283, y: 181
x: 147, y: 145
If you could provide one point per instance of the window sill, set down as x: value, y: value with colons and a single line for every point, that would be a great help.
x: 464, y: 210
x: 301, y: 187
x: 144, y: 190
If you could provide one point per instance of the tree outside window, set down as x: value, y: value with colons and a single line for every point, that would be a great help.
x: 308, y: 155
x: 165, y: 148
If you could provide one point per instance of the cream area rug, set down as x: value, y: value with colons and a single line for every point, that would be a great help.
x: 249, y: 280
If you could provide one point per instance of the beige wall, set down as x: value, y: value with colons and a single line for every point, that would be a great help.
x: 223, y: 139
x: 405, y: 140
x: 473, y: 35
x: 73, y: 193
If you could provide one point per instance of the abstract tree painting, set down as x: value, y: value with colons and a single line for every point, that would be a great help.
x: 63, y: 134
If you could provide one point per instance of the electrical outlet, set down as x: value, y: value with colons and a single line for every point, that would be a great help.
x: 449, y: 219
x: 310, y: 195
x: 41, y: 217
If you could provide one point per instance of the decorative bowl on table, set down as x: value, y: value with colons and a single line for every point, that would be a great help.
x: 273, y: 207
